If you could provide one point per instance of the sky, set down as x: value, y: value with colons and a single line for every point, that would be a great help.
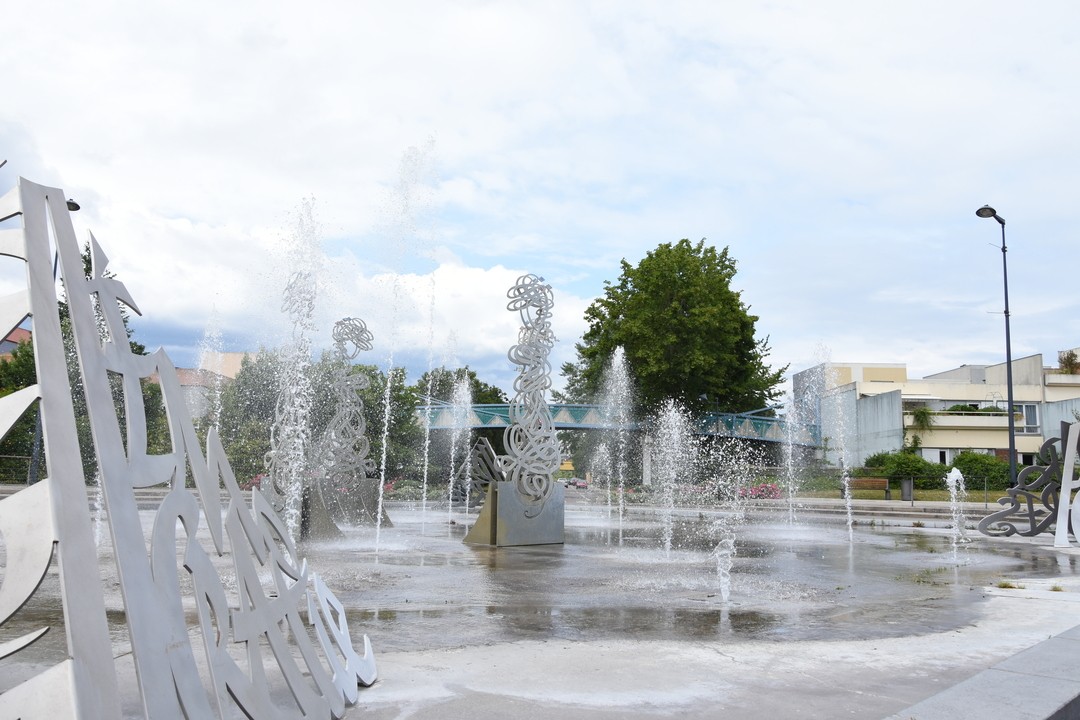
x: 423, y: 155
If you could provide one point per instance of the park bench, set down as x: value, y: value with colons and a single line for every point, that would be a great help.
x: 868, y: 483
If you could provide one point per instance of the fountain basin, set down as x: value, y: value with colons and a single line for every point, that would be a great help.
x: 611, y: 625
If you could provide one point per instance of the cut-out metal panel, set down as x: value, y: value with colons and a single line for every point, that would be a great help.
x: 268, y: 610
x: 55, y: 511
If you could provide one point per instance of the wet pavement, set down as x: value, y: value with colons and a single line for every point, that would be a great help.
x: 819, y: 624
x: 424, y: 589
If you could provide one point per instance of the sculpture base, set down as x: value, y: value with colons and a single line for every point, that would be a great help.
x: 506, y: 520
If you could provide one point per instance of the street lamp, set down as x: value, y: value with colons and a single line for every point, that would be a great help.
x: 988, y: 212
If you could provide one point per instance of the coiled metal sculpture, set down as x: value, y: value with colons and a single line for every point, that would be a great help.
x: 532, y: 447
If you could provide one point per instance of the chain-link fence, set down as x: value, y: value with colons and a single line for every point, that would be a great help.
x: 14, y: 469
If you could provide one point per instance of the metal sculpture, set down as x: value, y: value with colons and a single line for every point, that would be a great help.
x: 266, y: 611
x: 1033, y: 504
x: 54, y: 511
x: 348, y: 474
x: 1070, y: 436
x: 289, y: 434
x: 527, y: 508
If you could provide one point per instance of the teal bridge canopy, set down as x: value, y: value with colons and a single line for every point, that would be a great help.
x: 747, y: 426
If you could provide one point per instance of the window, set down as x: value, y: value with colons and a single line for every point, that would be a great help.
x: 1027, y: 418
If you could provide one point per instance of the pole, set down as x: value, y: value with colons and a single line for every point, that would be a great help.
x: 1008, y: 357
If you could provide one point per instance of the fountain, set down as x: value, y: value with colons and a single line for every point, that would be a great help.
x: 288, y: 458
x: 954, y: 481
x: 459, y: 485
x: 714, y: 600
x: 617, y: 411
x: 674, y: 459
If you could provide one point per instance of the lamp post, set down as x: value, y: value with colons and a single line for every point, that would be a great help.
x: 988, y: 212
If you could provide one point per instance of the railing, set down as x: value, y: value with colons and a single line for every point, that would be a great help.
x: 592, y: 417
x: 974, y: 420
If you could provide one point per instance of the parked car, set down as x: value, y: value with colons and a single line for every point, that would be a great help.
x: 577, y: 483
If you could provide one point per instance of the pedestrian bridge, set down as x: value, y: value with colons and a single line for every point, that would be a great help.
x: 746, y: 426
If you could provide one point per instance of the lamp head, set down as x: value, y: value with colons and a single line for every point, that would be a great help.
x: 988, y: 212
x: 73, y: 206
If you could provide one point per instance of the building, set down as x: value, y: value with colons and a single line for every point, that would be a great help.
x: 16, y: 336
x: 867, y: 408
x: 201, y: 385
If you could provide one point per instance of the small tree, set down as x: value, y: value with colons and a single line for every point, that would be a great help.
x: 1068, y: 362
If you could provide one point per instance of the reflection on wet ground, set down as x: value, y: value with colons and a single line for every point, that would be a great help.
x: 425, y: 589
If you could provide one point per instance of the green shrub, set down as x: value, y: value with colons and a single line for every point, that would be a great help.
x: 877, y: 460
x: 905, y: 464
x: 962, y: 408
x: 977, y: 467
x: 821, y: 481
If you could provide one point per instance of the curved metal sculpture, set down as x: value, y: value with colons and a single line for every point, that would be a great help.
x: 532, y: 446
x: 289, y: 435
x: 1033, y: 505
x: 344, y: 445
x: 532, y: 514
x: 266, y: 611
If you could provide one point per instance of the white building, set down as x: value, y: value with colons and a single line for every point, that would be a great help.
x: 866, y: 408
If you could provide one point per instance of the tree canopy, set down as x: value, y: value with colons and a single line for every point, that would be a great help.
x: 440, y: 383
x: 247, y: 412
x: 686, y: 333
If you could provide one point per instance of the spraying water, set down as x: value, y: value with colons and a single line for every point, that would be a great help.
x: 731, y: 467
x: 834, y: 417
x: 616, y: 409
x: 289, y: 435
x: 957, y: 496
x: 210, y: 361
x: 427, y: 416
x: 792, y: 466
x: 601, y: 465
x: 387, y: 409
x: 673, y: 458
x: 459, y: 438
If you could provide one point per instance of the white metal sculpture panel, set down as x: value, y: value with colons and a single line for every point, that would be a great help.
x: 1068, y: 507
x: 55, y: 511
x: 267, y: 610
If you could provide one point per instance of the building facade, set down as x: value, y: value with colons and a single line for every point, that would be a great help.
x: 867, y: 408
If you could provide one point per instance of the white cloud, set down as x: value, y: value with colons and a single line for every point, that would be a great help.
x: 839, y: 149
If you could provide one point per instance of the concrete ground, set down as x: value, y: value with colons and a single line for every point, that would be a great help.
x: 894, y: 620
x: 785, y: 674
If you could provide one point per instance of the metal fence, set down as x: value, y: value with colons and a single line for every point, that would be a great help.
x: 14, y: 469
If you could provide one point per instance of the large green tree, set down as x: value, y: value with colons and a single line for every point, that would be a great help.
x: 685, y: 331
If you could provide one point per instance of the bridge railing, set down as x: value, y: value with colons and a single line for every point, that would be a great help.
x: 591, y: 417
